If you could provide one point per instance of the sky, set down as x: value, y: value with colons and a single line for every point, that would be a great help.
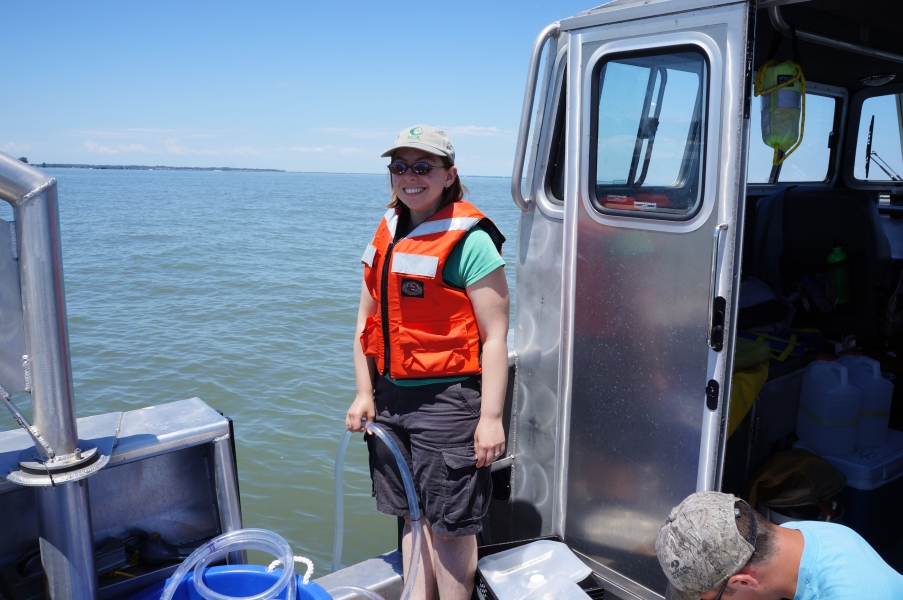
x: 300, y: 86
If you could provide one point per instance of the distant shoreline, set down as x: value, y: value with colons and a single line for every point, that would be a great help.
x: 148, y: 168
x: 233, y: 169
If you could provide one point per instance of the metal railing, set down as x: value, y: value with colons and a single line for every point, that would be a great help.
x: 64, y: 515
x: 778, y: 22
x: 520, y: 154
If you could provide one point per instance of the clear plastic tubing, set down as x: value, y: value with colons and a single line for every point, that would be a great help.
x: 413, y: 509
x: 350, y: 589
x: 241, y: 539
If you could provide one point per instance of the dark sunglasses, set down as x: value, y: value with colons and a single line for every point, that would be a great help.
x: 419, y: 168
x: 753, y: 534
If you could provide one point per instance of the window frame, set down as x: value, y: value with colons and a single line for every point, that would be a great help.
x: 545, y: 200
x: 595, y: 99
x: 593, y: 47
x: 840, y: 121
x: 557, y: 138
x: 849, y: 155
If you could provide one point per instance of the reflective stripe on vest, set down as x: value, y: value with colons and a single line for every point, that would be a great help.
x: 442, y: 225
x: 369, y: 253
x: 415, y: 264
x: 425, y: 328
x: 391, y: 219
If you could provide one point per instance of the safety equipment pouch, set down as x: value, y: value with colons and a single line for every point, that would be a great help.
x: 782, y: 88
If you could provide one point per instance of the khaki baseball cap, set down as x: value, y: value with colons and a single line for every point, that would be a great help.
x: 699, y: 546
x: 424, y: 137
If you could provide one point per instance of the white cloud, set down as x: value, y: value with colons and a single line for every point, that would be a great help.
x: 172, y: 145
x: 143, y: 133
x: 175, y: 146
x: 376, y: 133
x: 14, y: 147
x: 92, y: 146
x: 127, y: 132
x: 359, y: 132
x: 307, y: 149
x: 476, y: 131
x: 346, y: 150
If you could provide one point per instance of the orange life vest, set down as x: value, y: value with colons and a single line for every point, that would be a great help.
x: 422, y: 326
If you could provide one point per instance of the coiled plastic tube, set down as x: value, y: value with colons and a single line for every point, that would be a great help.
x: 413, y: 510
x: 218, y: 547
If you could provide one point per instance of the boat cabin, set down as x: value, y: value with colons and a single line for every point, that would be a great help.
x: 655, y: 219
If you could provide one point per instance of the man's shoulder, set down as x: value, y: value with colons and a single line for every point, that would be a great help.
x: 838, y: 562
x: 827, y: 531
x: 820, y: 526
x: 828, y: 537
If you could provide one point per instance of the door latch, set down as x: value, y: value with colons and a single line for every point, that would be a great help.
x: 717, y: 304
x: 716, y: 327
x: 711, y: 394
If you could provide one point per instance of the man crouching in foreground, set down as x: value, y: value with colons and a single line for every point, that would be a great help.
x: 714, y: 544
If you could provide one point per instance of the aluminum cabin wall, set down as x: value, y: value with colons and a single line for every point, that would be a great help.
x: 535, y: 410
x: 540, y: 237
x: 64, y: 510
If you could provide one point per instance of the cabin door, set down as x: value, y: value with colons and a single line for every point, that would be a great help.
x: 656, y: 126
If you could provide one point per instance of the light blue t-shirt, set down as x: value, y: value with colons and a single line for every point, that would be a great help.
x: 838, y: 564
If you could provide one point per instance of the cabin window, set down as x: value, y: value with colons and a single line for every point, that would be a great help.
x: 879, y: 145
x: 812, y: 160
x: 555, y: 174
x: 648, y: 133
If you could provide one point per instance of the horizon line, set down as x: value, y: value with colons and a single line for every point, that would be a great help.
x: 106, y: 167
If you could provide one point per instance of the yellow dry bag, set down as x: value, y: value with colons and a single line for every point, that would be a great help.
x: 782, y: 87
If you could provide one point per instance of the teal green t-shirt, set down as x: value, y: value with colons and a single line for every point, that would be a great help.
x: 472, y: 259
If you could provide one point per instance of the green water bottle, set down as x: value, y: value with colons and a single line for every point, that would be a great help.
x: 839, y: 273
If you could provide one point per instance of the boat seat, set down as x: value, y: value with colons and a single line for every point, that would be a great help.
x: 796, y: 229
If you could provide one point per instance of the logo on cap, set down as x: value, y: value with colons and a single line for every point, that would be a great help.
x: 416, y: 130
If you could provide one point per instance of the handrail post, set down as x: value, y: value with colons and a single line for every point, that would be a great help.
x: 64, y: 515
x: 520, y: 154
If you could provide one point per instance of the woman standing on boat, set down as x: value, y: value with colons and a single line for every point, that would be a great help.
x: 431, y: 357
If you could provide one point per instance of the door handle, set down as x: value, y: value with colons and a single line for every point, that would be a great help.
x: 717, y: 305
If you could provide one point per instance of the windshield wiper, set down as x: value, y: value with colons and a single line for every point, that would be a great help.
x: 868, y: 147
x: 882, y: 164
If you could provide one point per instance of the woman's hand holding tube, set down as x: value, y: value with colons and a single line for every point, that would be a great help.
x: 363, y: 407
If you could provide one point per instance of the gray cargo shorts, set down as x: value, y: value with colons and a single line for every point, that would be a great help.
x: 433, y: 426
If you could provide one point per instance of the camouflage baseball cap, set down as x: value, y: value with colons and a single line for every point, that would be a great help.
x: 699, y: 546
x: 426, y: 138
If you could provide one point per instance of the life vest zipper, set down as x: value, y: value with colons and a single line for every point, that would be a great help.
x: 384, y: 307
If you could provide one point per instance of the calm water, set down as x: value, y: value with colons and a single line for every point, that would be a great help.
x: 241, y: 289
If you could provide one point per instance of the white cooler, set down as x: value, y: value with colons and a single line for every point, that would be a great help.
x: 872, y: 498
